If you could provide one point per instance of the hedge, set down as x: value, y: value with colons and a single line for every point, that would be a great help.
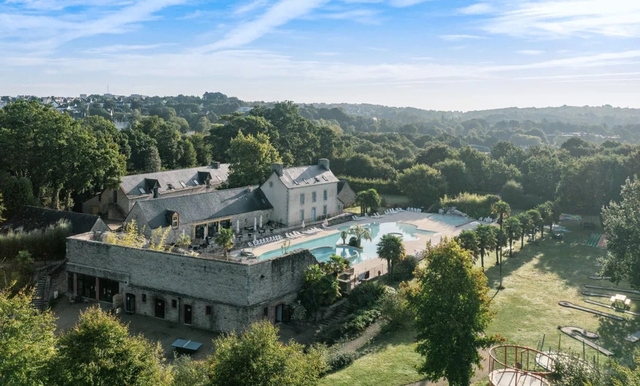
x: 380, y: 185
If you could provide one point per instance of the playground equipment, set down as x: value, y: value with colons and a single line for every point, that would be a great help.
x: 512, y: 365
x: 611, y: 307
x: 612, y: 289
x: 582, y: 335
x: 590, y: 310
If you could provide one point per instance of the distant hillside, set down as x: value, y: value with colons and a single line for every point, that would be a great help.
x: 586, y: 115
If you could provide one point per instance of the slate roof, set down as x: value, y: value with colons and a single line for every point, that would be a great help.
x: 301, y: 176
x: 30, y: 218
x: 204, y: 206
x: 346, y: 195
x: 171, y: 181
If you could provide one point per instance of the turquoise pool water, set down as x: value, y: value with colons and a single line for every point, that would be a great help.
x: 326, y: 246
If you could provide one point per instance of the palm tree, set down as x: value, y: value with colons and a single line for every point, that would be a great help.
x: 392, y: 250
x: 501, y: 241
x: 512, y: 228
x: 525, y: 225
x: 360, y: 233
x: 468, y: 239
x: 546, y: 210
x: 343, y: 235
x: 502, y: 209
x: 486, y: 240
x: 536, y: 220
x: 225, y: 240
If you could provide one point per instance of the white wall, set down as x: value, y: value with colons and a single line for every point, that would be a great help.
x: 295, y: 206
x: 276, y: 193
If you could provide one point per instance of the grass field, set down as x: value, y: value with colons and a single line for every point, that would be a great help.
x: 527, y: 310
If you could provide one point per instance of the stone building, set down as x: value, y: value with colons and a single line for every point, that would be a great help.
x: 115, y: 204
x: 206, y: 293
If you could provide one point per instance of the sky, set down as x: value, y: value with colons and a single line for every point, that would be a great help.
x: 437, y: 54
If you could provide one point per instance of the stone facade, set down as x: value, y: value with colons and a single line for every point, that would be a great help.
x: 223, y: 295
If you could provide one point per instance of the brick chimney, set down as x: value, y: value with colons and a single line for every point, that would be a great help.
x: 324, y: 163
x: 277, y: 167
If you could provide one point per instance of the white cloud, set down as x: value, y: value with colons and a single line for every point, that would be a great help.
x: 563, y: 18
x: 455, y: 38
x: 251, y: 6
x: 279, y: 14
x: 120, y: 48
x: 476, y: 9
x: 530, y: 52
x: 365, y: 16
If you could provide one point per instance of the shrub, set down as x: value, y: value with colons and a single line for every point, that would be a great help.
x: 513, y: 193
x: 365, y: 295
x: 475, y: 205
x: 350, y: 327
x: 339, y: 360
x: 394, y: 309
x: 49, y: 243
x: 381, y: 186
x: 353, y: 241
x: 404, y: 268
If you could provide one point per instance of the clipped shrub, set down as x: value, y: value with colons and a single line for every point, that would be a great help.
x: 353, y: 242
x: 339, y: 360
x: 380, y: 185
x: 475, y: 205
x: 365, y: 295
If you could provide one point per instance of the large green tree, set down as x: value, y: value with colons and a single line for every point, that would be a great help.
x: 26, y: 341
x: 422, y: 184
x: 391, y: 248
x: 451, y: 307
x: 100, y: 351
x: 369, y: 200
x: 257, y: 357
x: 622, y: 226
x: 251, y: 158
x: 455, y: 173
x: 468, y: 239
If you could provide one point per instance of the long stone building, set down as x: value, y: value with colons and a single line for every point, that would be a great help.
x: 206, y: 293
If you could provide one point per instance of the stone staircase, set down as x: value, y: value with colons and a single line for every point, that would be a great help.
x: 40, y: 301
x: 340, y: 314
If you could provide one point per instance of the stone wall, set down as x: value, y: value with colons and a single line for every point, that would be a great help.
x: 237, y: 291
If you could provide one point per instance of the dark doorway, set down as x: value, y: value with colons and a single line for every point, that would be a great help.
x: 187, y: 314
x: 108, y: 288
x: 87, y: 286
x: 279, y: 311
x: 130, y: 303
x: 159, y: 308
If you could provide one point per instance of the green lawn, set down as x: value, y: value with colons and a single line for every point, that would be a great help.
x: 392, y: 361
x: 526, y: 311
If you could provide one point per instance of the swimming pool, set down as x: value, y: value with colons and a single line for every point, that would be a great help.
x: 322, y: 248
x: 449, y: 219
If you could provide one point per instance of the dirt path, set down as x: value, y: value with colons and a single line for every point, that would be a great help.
x: 370, y: 333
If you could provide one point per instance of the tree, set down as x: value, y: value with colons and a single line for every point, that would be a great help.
x: 144, y: 153
x: 451, y: 308
x: 319, y: 288
x: 251, y: 158
x: 202, y: 148
x: 435, y: 153
x: 546, y: 210
x: 513, y: 230
x: 257, y: 357
x: 203, y: 125
x: 536, y: 221
x: 368, y: 199
x: 486, y: 240
x: 455, y: 174
x: 224, y: 239
x: 391, y: 248
x: 343, y: 235
x: 502, y: 209
x: 468, y: 239
x: 525, y: 226
x: 360, y: 233
x: 2, y: 208
x: 622, y: 225
x: 188, y: 155
x: 26, y: 340
x: 100, y: 351
x: 422, y: 184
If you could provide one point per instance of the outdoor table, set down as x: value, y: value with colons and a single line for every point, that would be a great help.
x: 620, y: 301
x: 186, y: 346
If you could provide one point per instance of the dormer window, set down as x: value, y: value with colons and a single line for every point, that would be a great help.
x: 175, y: 220
x: 169, y: 186
x: 183, y: 184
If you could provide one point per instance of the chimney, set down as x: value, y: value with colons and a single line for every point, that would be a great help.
x: 155, y: 192
x: 277, y: 167
x: 215, y: 165
x: 324, y: 163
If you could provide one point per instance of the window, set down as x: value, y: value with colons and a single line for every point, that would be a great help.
x: 324, y: 195
x: 175, y: 220
x: 174, y: 303
x: 324, y: 210
x: 195, y: 182
x: 313, y: 197
x: 313, y: 214
x: 183, y: 184
x: 301, y: 198
x: 144, y: 298
x: 301, y: 215
x: 208, y: 310
x: 142, y: 191
x: 265, y: 312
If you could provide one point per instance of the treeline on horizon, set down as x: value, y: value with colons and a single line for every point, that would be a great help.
x: 85, y: 156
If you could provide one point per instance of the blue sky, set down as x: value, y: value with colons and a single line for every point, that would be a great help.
x: 453, y: 55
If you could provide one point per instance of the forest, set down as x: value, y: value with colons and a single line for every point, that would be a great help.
x: 51, y: 158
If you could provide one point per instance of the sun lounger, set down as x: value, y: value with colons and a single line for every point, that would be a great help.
x: 250, y: 244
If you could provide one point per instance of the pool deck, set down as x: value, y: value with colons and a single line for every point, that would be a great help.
x: 421, y: 220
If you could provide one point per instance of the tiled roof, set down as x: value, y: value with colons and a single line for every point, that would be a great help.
x: 204, y: 206
x: 172, y: 181
x: 30, y: 218
x: 297, y: 177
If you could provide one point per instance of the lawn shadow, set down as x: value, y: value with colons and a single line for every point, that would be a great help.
x: 612, y: 337
x: 386, y: 338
